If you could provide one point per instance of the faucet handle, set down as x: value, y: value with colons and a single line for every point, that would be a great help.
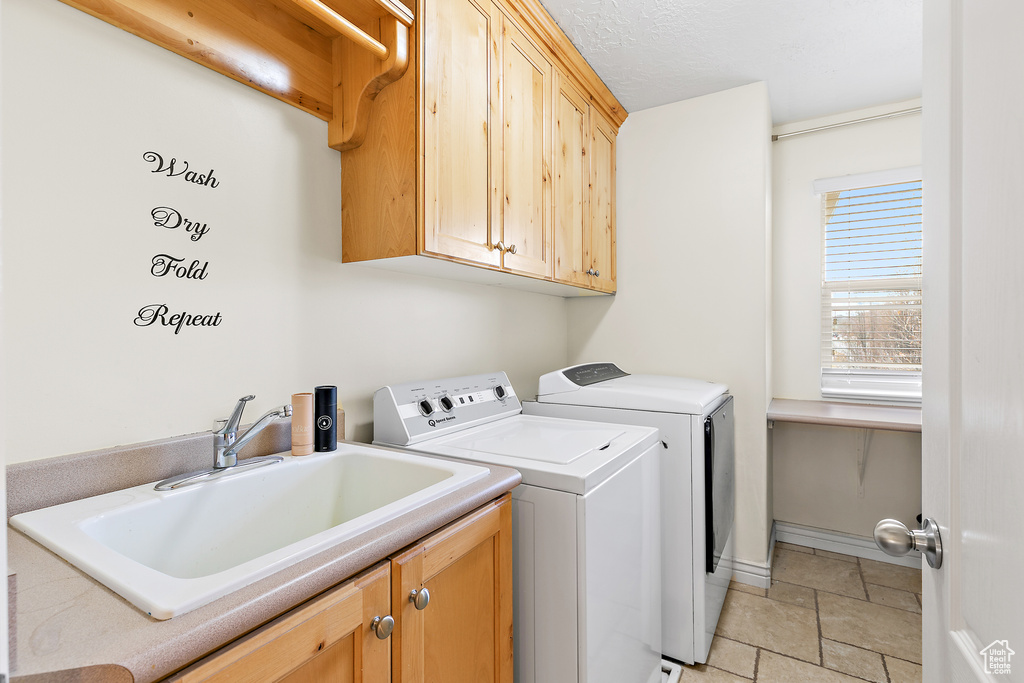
x: 236, y: 416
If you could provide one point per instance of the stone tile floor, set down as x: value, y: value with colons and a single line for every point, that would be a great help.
x: 827, y: 618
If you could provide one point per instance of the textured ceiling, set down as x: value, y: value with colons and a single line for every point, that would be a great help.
x: 818, y: 57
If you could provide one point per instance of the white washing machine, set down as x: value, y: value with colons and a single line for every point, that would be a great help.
x: 586, y: 536
x: 695, y: 419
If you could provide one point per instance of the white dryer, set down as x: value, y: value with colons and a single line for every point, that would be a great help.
x: 695, y: 420
x: 586, y: 537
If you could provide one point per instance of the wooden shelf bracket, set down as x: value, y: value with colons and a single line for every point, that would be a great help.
x: 368, y: 54
x: 359, y: 76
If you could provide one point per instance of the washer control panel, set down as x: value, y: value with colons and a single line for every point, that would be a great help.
x: 406, y: 413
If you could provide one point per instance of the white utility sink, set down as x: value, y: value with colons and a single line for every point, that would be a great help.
x: 173, y: 551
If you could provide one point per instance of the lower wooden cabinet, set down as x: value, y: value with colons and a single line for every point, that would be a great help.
x: 327, y: 639
x: 459, y: 629
x: 464, y: 631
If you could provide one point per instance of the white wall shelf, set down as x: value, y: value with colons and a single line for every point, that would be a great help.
x: 838, y: 414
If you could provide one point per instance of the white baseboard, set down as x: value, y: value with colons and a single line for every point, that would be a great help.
x: 754, y: 573
x: 837, y: 542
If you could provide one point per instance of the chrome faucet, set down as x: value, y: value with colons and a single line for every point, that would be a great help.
x: 227, y: 443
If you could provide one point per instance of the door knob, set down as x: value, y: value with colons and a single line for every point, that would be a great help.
x: 499, y: 245
x: 511, y: 248
x: 383, y: 626
x: 894, y: 538
x: 420, y: 598
x: 590, y: 271
x: 597, y: 273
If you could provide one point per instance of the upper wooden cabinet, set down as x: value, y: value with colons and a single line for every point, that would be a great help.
x: 584, y: 188
x: 487, y: 182
x: 461, y: 162
x: 525, y: 199
x: 602, y: 205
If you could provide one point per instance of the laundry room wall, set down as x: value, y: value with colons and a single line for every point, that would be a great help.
x: 694, y: 258
x: 83, y: 104
x: 817, y: 480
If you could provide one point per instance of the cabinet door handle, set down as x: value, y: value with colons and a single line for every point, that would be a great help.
x: 500, y: 246
x: 420, y: 598
x: 383, y: 626
x: 512, y: 249
x: 597, y: 273
x: 590, y: 271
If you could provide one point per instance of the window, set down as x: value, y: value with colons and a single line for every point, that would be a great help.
x: 871, y: 286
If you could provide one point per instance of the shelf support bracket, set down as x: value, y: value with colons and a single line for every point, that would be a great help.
x: 862, y: 458
x: 359, y: 76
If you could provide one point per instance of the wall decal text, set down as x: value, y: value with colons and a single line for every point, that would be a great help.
x: 174, y: 169
x: 165, y: 264
x: 166, y: 217
x: 158, y: 313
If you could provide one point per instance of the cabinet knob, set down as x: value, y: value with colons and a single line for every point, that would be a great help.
x: 512, y: 249
x: 499, y: 245
x: 590, y: 271
x: 420, y: 598
x: 597, y: 273
x: 383, y: 626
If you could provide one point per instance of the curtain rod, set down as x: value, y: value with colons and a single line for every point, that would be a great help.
x: 890, y: 115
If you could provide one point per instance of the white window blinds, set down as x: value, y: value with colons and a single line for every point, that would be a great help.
x: 871, y: 291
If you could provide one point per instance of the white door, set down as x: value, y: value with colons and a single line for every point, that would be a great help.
x: 973, y: 446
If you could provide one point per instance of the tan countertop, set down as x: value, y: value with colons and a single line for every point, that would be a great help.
x: 68, y: 627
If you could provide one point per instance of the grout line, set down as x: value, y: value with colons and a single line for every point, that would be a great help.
x: 757, y: 663
x: 885, y: 667
x: 843, y: 595
x: 817, y: 619
x: 759, y: 648
x: 898, y: 590
x: 861, y: 647
x: 903, y: 660
x: 863, y: 583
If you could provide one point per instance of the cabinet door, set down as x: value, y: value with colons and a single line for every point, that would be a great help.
x: 460, y: 104
x: 602, y: 198
x: 327, y: 639
x: 571, y: 179
x: 526, y: 148
x: 465, y: 631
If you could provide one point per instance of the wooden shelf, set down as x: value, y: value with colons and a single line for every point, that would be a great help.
x: 329, y: 58
x: 864, y: 416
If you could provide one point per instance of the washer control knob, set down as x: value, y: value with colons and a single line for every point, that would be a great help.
x: 426, y: 408
x: 499, y: 392
x: 446, y: 403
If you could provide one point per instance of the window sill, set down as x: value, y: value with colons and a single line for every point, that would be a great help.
x: 894, y: 418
